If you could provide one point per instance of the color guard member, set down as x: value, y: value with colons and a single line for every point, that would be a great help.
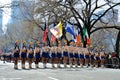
x: 71, y: 54
x: 76, y: 56
x: 102, y: 57
x: 53, y: 54
x: 37, y: 54
x: 65, y: 53
x: 86, y: 52
x: 45, y: 54
x: 16, y: 54
x: 97, y: 58
x: 30, y: 54
x: 59, y: 54
x: 23, y: 54
x: 91, y: 56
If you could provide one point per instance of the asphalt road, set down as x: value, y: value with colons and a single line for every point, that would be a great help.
x: 8, y: 73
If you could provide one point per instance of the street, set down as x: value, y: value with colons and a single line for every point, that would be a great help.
x: 8, y: 73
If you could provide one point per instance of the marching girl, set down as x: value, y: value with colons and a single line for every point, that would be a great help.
x: 37, y: 54
x: 53, y: 55
x: 59, y: 54
x: 76, y: 56
x: 23, y: 54
x: 92, y: 55
x: 86, y: 52
x: 45, y: 54
x: 97, y: 58
x: 16, y: 54
x: 30, y: 55
x: 81, y: 56
x: 71, y: 54
x: 65, y: 53
x: 102, y: 57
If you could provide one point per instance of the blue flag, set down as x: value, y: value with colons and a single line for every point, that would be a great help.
x: 69, y: 28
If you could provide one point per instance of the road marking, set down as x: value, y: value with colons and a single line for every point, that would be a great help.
x: 53, y: 78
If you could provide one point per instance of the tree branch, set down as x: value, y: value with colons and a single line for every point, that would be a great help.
x: 105, y: 27
x: 104, y: 14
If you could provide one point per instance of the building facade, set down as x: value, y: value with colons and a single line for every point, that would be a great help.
x: 1, y: 21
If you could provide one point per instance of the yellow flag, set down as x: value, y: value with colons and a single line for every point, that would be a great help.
x: 57, y: 30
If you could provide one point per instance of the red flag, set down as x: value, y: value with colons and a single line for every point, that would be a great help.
x: 45, y: 35
x: 53, y: 38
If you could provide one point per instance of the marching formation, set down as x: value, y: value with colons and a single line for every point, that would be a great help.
x: 67, y: 55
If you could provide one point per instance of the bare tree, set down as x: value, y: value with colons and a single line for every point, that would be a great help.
x: 84, y: 13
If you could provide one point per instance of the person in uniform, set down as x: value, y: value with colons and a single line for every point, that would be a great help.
x: 59, y: 54
x: 37, y: 54
x: 97, y: 58
x: 76, y: 56
x: 53, y: 54
x: 91, y: 56
x: 65, y: 53
x: 45, y: 54
x: 16, y: 52
x: 81, y: 56
x: 71, y: 54
x: 23, y: 54
x: 86, y: 52
x: 30, y: 54
x: 102, y: 57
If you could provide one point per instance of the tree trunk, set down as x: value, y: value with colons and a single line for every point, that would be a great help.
x: 118, y: 44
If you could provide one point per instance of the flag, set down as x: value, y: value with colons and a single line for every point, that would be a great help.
x: 85, y: 35
x: 53, y: 38
x: 45, y: 35
x: 77, y: 40
x: 57, y: 30
x: 77, y: 37
x: 69, y: 28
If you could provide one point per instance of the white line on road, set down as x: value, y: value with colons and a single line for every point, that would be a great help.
x: 53, y: 78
